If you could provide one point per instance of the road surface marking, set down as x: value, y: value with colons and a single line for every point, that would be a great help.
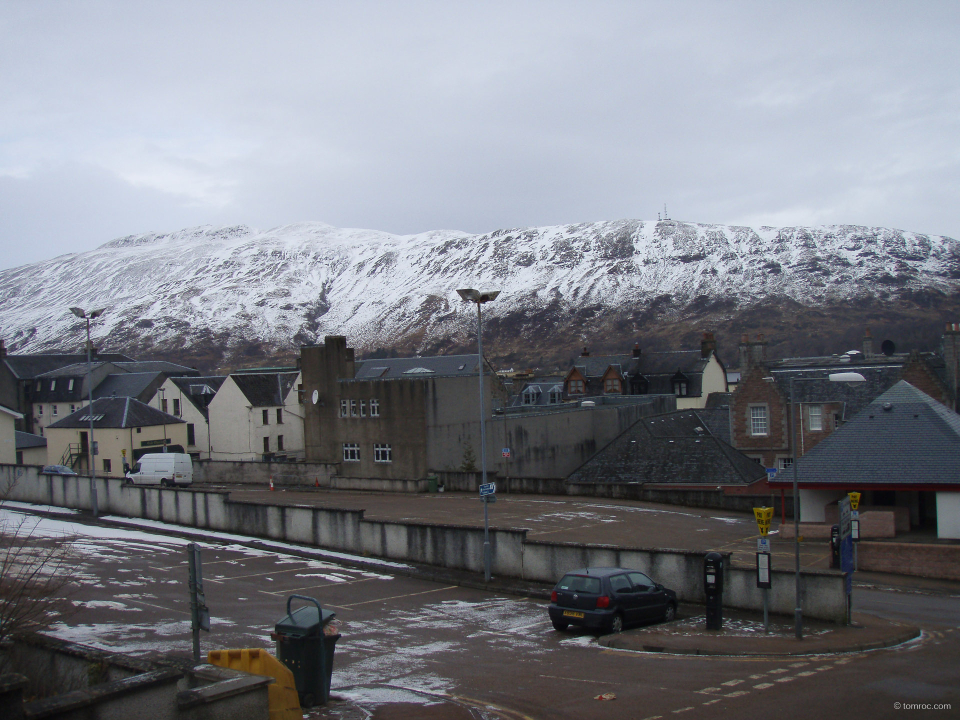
x: 683, y: 710
x: 738, y: 693
x: 762, y: 686
x: 583, y: 680
x: 731, y: 683
x: 785, y: 679
x: 320, y: 585
x: 400, y: 597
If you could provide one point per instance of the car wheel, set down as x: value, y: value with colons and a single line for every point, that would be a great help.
x: 127, y: 481
x: 616, y: 623
x: 671, y: 613
x: 560, y: 625
x: 165, y: 483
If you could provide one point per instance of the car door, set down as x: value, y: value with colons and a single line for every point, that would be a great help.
x: 625, y: 597
x: 650, y: 598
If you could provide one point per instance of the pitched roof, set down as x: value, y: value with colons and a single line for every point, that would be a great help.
x: 199, y: 390
x: 816, y: 387
x: 265, y: 389
x: 27, y: 367
x: 116, y: 412
x: 10, y: 411
x: 903, y: 437
x: 438, y: 366
x: 25, y: 441
x: 133, y: 385
x: 674, y: 448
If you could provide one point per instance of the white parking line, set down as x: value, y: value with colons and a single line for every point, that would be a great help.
x: 399, y: 597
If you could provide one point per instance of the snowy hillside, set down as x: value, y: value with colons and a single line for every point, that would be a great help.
x: 295, y: 284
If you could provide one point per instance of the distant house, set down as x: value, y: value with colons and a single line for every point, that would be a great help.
x: 256, y: 416
x: 31, y: 449
x: 901, y: 451
x: 189, y: 398
x: 690, y: 375
x: 539, y: 392
x: 8, y: 441
x: 760, y: 406
x: 124, y: 430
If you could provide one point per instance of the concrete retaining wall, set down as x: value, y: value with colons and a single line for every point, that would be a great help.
x: 450, y: 546
x: 920, y: 559
x: 222, y: 472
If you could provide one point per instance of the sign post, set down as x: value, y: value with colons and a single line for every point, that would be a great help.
x: 846, y: 551
x: 199, y: 613
x: 855, y: 526
x: 763, y: 516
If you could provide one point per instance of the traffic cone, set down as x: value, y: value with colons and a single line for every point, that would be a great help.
x: 271, y: 482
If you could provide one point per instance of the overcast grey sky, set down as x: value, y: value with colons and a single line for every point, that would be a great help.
x: 126, y: 117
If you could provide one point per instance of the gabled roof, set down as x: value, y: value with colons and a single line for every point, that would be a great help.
x: 674, y: 448
x: 438, y: 366
x: 10, y: 411
x: 27, y: 367
x: 904, y: 437
x: 25, y: 441
x: 265, y: 389
x: 594, y: 366
x: 116, y: 412
x: 199, y: 390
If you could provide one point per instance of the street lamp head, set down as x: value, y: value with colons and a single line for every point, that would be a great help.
x: 471, y: 295
x: 78, y: 312
x: 97, y: 313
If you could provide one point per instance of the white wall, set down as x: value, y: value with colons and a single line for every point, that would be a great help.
x: 189, y: 414
x: 948, y: 515
x: 813, y: 502
x: 8, y: 438
x: 231, y: 425
x: 714, y: 380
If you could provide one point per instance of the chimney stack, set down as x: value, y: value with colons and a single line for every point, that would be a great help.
x: 3, y: 350
x: 585, y: 353
x: 867, y: 344
x: 707, y: 345
x: 951, y: 359
x: 636, y: 350
x: 752, y: 354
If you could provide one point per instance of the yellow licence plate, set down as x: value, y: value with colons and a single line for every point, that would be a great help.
x: 571, y: 613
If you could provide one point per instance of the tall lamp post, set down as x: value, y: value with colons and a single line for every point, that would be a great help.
x: 843, y: 377
x: 93, y: 467
x: 475, y: 296
x: 161, y: 392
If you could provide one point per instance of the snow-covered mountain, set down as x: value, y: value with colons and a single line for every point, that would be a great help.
x: 234, y: 287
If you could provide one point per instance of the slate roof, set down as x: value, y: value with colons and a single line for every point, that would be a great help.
x: 438, y: 366
x: 117, y: 412
x: 674, y: 448
x: 816, y: 387
x: 543, y: 385
x: 657, y: 368
x: 27, y: 367
x: 135, y: 385
x: 199, y: 390
x: 25, y: 441
x: 903, y: 438
x: 10, y: 411
x: 265, y: 389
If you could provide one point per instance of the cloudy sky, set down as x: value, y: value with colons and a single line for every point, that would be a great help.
x: 126, y: 117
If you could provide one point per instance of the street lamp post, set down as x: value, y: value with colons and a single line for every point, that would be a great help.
x: 161, y: 392
x: 93, y: 467
x: 843, y: 377
x: 480, y: 298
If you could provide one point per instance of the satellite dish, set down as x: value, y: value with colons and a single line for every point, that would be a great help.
x: 316, y: 396
x: 888, y: 348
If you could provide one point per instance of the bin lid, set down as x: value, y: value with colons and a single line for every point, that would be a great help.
x: 305, y: 621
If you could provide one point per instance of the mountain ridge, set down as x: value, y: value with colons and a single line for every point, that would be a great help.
x: 226, y: 294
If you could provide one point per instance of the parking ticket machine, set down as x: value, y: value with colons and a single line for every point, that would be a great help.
x: 713, y: 587
x: 835, y: 547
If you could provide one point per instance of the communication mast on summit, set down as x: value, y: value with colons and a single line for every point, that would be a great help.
x: 665, y: 216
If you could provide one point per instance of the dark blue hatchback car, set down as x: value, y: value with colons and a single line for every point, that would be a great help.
x: 608, y: 599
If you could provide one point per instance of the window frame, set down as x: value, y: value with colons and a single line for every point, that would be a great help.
x: 344, y: 408
x: 279, y: 416
x: 280, y: 443
x: 819, y: 417
x: 753, y: 420
x: 351, y: 452
x: 265, y: 416
x: 375, y: 408
x: 382, y: 453
x: 576, y: 387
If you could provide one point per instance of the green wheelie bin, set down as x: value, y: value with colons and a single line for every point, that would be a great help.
x: 303, y: 647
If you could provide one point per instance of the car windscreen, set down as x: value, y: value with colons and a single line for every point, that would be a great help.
x: 580, y: 583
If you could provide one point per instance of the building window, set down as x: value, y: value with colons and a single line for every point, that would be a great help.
x: 279, y: 443
x: 266, y: 444
x: 576, y: 387
x: 680, y: 388
x: 266, y: 416
x: 556, y: 395
x: 40, y: 410
x: 191, y: 434
x: 612, y: 386
x: 836, y: 420
x: 784, y: 463
x: 279, y: 416
x: 382, y: 453
x: 73, y: 408
x: 374, y: 408
x: 351, y: 452
x: 54, y: 410
x: 70, y: 384
x: 531, y: 395
x: 353, y: 408
x: 176, y: 407
x: 107, y: 465
x: 163, y: 405
x: 53, y: 385
x: 363, y: 408
x: 344, y: 408
x: 758, y: 420
x: 815, y: 417
x: 139, y: 430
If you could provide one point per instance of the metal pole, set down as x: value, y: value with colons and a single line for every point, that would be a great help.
x: 194, y: 604
x: 483, y: 451
x: 93, y: 464
x: 798, y: 612
x: 766, y: 610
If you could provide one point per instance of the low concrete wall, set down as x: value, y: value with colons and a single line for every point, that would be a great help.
x: 223, y: 472
x: 920, y: 559
x: 451, y: 546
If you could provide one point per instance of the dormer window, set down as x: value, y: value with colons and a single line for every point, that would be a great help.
x: 70, y: 384
x: 612, y: 386
x: 556, y: 395
x: 530, y: 395
x: 679, y: 384
x: 575, y: 387
x: 53, y: 385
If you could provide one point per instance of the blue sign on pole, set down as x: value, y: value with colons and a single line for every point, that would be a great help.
x: 488, y: 489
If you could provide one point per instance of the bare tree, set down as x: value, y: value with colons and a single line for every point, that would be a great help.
x: 35, y: 574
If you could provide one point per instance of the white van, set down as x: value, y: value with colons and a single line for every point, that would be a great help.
x: 162, y: 468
